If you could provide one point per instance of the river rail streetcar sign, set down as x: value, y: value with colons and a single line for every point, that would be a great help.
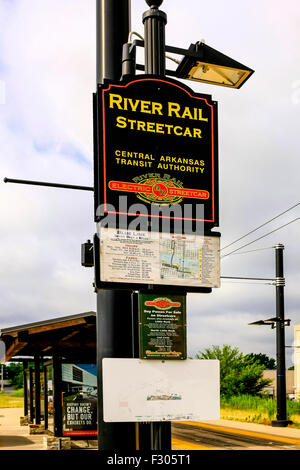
x: 162, y: 326
x: 156, y: 143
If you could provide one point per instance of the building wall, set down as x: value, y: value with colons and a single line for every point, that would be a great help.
x: 87, y: 377
x: 297, y: 359
x: 289, y: 377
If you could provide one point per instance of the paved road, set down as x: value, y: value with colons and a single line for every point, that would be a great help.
x: 7, y: 387
x: 199, y: 436
x: 15, y: 437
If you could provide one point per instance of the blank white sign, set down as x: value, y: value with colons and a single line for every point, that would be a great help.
x: 151, y: 390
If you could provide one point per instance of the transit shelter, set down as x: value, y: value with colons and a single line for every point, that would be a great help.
x: 59, y: 371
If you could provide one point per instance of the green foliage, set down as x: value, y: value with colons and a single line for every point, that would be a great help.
x: 239, y: 374
x: 266, y: 361
x: 14, y: 374
x: 258, y: 405
x: 250, y: 402
x: 18, y: 393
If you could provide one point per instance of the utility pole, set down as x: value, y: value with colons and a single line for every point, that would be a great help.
x: 155, y: 21
x: 154, y: 33
x: 114, y: 320
x: 37, y: 389
x: 279, y: 323
x: 281, y: 420
x: 2, y: 378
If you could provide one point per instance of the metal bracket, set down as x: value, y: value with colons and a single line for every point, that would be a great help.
x: 175, y: 50
x: 281, y: 323
x: 272, y: 322
x: 280, y: 281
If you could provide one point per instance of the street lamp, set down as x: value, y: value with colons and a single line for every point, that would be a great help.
x: 271, y: 322
x: 200, y: 62
x: 207, y: 65
x: 279, y: 322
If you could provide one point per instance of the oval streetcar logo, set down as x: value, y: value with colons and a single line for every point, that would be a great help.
x: 162, y: 303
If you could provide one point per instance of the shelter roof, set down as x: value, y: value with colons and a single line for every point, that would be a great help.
x: 70, y: 336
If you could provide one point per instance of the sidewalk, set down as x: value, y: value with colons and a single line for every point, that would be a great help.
x: 287, y: 432
x: 16, y: 437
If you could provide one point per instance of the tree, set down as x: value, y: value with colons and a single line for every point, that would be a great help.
x: 267, y: 362
x: 239, y: 374
x: 14, y: 374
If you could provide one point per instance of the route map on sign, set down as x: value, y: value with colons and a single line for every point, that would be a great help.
x: 179, y: 259
x: 159, y: 258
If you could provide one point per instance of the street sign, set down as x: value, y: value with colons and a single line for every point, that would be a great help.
x: 136, y: 259
x: 135, y: 390
x: 156, y: 144
x: 162, y: 326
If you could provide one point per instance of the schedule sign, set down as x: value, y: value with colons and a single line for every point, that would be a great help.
x: 152, y: 258
x: 162, y: 320
x: 156, y: 143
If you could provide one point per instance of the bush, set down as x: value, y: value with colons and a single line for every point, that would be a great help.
x: 14, y: 374
x: 239, y: 374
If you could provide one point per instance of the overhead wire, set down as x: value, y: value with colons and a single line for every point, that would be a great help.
x: 251, y: 251
x: 260, y: 226
x: 256, y: 283
x: 265, y: 235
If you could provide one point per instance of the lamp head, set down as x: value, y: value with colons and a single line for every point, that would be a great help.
x: 154, y: 3
x: 205, y: 64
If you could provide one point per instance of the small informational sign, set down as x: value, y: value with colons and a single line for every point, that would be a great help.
x: 162, y: 326
x: 137, y: 257
x: 156, y: 143
x: 79, y: 392
x: 136, y: 390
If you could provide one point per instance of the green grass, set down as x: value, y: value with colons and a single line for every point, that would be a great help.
x: 12, y: 400
x: 257, y: 409
x: 18, y: 393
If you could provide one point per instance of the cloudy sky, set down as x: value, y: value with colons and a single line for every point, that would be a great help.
x: 47, y: 77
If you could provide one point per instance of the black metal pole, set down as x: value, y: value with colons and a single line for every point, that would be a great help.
x: 37, y: 390
x: 2, y: 378
x: 281, y: 420
x: 114, y: 336
x: 128, y: 60
x: 45, y: 398
x: 144, y: 430
x: 31, y: 407
x: 49, y: 184
x: 113, y: 24
x: 57, y: 395
x: 114, y: 327
x: 25, y: 385
x: 155, y: 21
